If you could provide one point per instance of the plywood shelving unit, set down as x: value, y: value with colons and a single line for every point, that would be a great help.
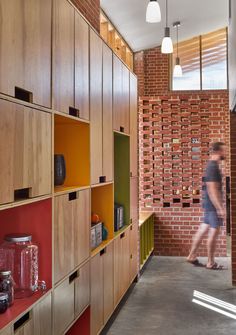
x: 69, y: 103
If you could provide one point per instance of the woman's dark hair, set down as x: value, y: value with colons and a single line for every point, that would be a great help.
x: 217, y: 146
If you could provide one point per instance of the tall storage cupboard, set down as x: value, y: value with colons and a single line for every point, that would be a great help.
x: 63, y: 91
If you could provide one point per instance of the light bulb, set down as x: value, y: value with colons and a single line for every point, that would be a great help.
x: 167, y: 45
x: 178, y: 71
x: 153, y: 13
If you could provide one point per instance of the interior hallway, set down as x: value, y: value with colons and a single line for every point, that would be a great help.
x: 161, y: 302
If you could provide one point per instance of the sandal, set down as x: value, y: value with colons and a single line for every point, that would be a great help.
x: 216, y: 267
x: 196, y: 263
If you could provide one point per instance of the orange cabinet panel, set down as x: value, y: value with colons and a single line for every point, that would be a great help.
x: 63, y: 56
x: 96, y: 107
x: 25, y: 53
x: 81, y: 66
x: 71, y: 232
x: 24, y: 165
x: 133, y: 126
x: 107, y: 126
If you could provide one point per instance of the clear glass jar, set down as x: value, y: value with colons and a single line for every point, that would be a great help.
x: 21, y: 258
x: 4, y: 303
x: 7, y: 285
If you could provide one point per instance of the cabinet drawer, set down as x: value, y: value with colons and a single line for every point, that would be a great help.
x: 133, y: 251
x: 108, y: 275
x: 63, y: 306
x: 71, y: 232
x: 82, y: 289
x: 25, y: 146
x: 25, y: 53
x: 96, y: 294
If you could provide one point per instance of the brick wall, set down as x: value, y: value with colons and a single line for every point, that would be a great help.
x: 176, y: 129
x: 91, y: 11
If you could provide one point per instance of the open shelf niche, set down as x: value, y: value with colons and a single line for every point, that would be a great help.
x: 72, y: 140
x: 102, y: 204
x: 122, y: 175
x: 34, y: 219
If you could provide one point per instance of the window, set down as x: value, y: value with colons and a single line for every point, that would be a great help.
x: 204, y: 62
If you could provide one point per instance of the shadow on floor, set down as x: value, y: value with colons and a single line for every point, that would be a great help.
x: 161, y: 302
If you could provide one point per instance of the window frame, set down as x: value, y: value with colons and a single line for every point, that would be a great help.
x: 171, y: 62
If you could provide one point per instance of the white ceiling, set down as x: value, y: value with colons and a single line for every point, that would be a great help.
x: 196, y: 16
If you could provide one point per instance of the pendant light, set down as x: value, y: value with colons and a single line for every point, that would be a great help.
x: 177, y: 69
x: 167, y: 45
x: 153, y: 13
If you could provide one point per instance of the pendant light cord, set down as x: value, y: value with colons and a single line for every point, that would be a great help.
x: 177, y: 41
x: 166, y: 13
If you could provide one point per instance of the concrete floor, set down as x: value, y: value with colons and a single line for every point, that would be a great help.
x: 161, y: 302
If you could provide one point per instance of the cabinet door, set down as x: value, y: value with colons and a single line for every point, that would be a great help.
x: 134, y: 199
x: 25, y: 53
x: 82, y: 289
x: 63, y: 306
x: 125, y: 118
x: 133, y: 251
x: 108, y: 275
x: 63, y: 237
x: 71, y: 232
x: 107, y: 129
x: 96, y: 294
x: 81, y: 66
x: 118, y: 102
x: 117, y: 270
x: 7, y: 331
x: 42, y: 317
x: 25, y: 146
x: 133, y: 126
x: 24, y: 325
x: 63, y: 56
x: 125, y: 262
x: 95, y: 106
x: 81, y: 233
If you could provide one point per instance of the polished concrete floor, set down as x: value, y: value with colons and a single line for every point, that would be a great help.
x: 161, y: 302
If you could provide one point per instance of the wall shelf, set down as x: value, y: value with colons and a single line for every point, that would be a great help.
x: 102, y: 204
x: 122, y: 173
x: 72, y: 140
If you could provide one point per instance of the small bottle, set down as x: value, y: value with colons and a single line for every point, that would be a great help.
x: 4, y: 303
x: 7, y: 285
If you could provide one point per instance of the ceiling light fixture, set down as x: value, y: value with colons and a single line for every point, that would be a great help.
x: 178, y: 72
x: 153, y: 13
x: 167, y: 45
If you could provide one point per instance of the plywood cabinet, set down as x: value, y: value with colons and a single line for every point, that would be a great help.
x: 102, y: 288
x: 121, y: 266
x: 133, y: 251
x: 133, y: 126
x: 25, y: 53
x: 134, y: 199
x: 81, y: 66
x: 107, y: 126
x: 71, y: 232
x: 120, y: 96
x: 42, y: 317
x: 96, y: 107
x: 7, y: 331
x: 63, y: 55
x: 63, y: 306
x: 96, y: 294
x: 24, y: 165
x: 82, y: 289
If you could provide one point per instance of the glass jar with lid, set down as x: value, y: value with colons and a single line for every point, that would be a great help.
x: 21, y: 258
x: 7, y: 285
x: 4, y: 303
